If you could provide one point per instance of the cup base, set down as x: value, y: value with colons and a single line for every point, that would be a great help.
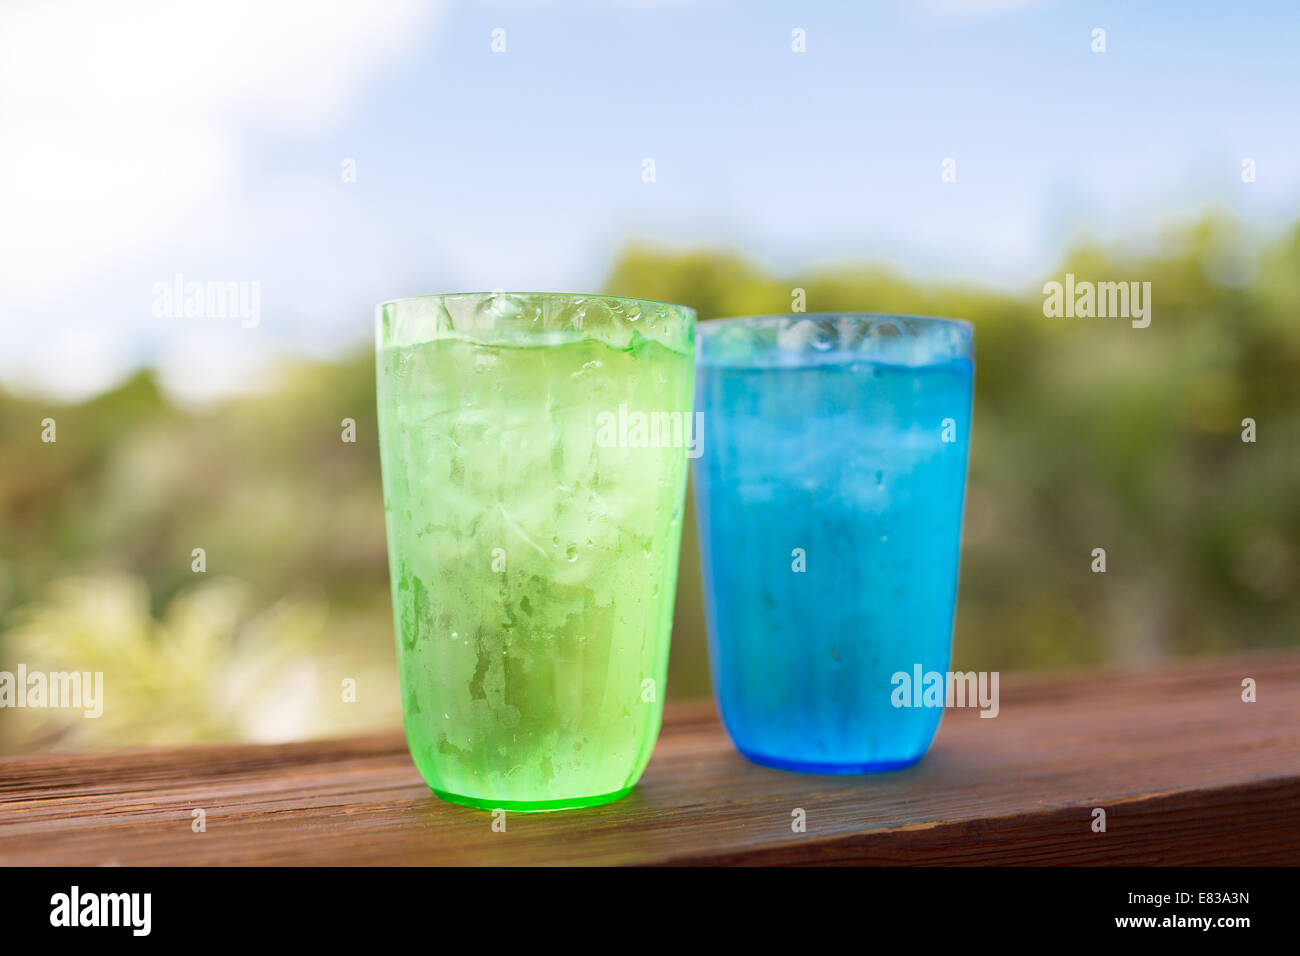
x: 840, y: 769
x: 531, y: 806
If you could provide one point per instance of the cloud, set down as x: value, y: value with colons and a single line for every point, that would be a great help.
x: 126, y: 123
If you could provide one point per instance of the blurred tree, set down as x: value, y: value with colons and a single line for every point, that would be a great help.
x: 1088, y: 433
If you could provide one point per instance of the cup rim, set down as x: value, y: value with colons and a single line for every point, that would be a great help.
x: 768, y: 318
x: 954, y: 338
x: 608, y: 296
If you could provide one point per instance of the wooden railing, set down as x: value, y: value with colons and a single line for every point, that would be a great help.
x: 1185, y: 771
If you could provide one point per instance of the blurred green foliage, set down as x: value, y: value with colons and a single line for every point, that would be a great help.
x: 1087, y: 433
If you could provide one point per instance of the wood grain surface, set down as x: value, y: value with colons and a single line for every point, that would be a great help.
x: 1186, y: 771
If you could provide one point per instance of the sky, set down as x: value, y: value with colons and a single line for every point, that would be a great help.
x: 330, y: 155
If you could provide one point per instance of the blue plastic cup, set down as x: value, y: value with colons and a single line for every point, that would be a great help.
x: 829, y: 498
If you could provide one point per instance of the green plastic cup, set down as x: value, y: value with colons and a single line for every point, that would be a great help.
x: 533, y: 533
